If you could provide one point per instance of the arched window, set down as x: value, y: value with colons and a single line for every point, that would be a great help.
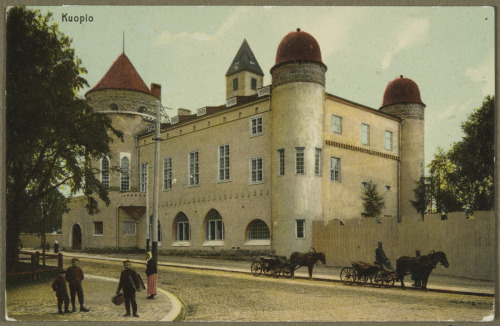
x: 142, y: 109
x: 105, y: 172
x: 181, y: 225
x: 258, y: 230
x: 125, y: 174
x: 113, y: 106
x: 214, y: 226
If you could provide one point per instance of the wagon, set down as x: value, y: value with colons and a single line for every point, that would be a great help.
x: 361, y: 272
x: 275, y: 266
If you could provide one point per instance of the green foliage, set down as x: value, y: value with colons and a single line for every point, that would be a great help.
x: 54, y: 206
x: 52, y: 136
x: 462, y: 178
x: 373, y: 203
x: 421, y: 201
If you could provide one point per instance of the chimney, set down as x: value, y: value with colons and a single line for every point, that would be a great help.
x: 181, y: 111
x: 156, y: 90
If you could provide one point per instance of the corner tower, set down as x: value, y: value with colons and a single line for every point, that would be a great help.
x: 297, y: 103
x: 244, y: 76
x: 402, y: 99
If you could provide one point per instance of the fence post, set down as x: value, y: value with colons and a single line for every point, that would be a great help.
x: 60, y: 261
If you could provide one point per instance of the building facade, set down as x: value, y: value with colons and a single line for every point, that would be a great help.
x: 255, y: 172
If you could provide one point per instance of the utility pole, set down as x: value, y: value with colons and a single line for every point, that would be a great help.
x: 156, y: 184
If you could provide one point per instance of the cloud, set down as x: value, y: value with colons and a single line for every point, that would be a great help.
x: 485, y: 74
x: 409, y: 36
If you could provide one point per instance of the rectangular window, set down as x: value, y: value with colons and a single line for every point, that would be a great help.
x: 281, y: 161
x: 388, y: 140
x: 365, y: 134
x: 223, y: 162
x: 128, y: 228
x: 105, y: 173
x: 254, y: 84
x: 235, y: 84
x: 256, y: 126
x: 182, y: 233
x: 335, y: 169
x: 299, y: 160
x: 193, y: 169
x: 336, y: 124
x: 300, y: 229
x: 98, y: 228
x: 144, y: 177
x: 256, y: 170
x: 317, y: 161
x: 167, y: 173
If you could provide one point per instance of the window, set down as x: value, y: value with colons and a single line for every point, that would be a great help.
x: 365, y: 134
x: 254, y: 83
x: 388, y: 140
x: 214, y: 227
x: 335, y: 169
x: 256, y: 126
x: 258, y: 231
x: 113, y: 106
x: 336, y: 124
x: 193, y: 169
x: 235, y: 84
x: 256, y: 170
x: 105, y: 172
x: 317, y: 161
x: 128, y: 228
x: 299, y: 160
x: 125, y: 174
x: 182, y: 228
x: 224, y: 163
x: 98, y: 228
x: 167, y: 173
x: 364, y: 185
x: 144, y: 177
x: 281, y: 161
x: 300, y: 229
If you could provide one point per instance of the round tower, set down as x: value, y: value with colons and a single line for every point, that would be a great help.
x: 402, y: 99
x: 297, y: 104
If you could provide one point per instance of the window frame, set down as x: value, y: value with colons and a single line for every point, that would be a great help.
x: 257, y: 128
x: 235, y: 84
x: 256, y: 172
x: 223, y: 153
x: 300, y: 223
x: 182, y: 222
x: 253, y: 83
x: 143, y: 177
x: 388, y: 140
x: 167, y: 173
x: 105, y: 172
x: 365, y: 134
x: 334, y: 119
x: 214, y: 222
x: 335, y: 169
x: 194, y: 169
x: 96, y: 234
x: 125, y: 176
x: 318, y: 155
x: 300, y: 160
x: 281, y: 162
x: 125, y: 230
x: 256, y: 231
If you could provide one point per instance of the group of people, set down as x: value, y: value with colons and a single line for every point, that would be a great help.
x: 130, y: 282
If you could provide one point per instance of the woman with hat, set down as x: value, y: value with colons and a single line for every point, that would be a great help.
x: 151, y: 271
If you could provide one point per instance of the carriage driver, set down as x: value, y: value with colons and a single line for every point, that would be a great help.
x: 381, y: 258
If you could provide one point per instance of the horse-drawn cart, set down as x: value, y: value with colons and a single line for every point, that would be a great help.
x: 275, y: 266
x: 361, y: 272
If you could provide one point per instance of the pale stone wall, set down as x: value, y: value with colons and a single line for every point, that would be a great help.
x: 244, y: 84
x: 359, y: 163
x: 238, y: 201
x: 468, y: 243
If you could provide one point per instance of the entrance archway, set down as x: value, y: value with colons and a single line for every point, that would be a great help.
x: 76, y: 237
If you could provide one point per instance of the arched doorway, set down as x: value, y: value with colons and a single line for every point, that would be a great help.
x: 76, y: 237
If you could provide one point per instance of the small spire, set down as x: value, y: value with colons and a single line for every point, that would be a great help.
x: 400, y: 76
x: 298, y: 29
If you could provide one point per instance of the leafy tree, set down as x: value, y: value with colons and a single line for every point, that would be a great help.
x: 52, y: 136
x: 422, y: 198
x: 440, y: 184
x: 373, y: 203
x: 54, y: 206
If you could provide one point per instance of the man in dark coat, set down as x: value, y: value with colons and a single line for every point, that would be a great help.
x: 74, y: 276
x: 129, y: 282
x: 59, y: 286
x: 382, y: 258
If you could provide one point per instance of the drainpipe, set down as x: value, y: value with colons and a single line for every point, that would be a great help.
x: 400, y: 218
x: 118, y: 227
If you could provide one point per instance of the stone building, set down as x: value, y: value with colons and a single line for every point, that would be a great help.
x: 255, y: 172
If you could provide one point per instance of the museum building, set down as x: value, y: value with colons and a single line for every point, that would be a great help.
x: 255, y: 172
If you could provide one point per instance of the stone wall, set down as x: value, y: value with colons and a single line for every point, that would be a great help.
x: 468, y: 243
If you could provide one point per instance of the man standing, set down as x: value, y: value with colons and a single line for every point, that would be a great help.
x: 129, y: 282
x: 382, y: 258
x: 74, y: 276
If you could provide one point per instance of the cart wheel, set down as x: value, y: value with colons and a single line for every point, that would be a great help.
x: 256, y: 268
x: 362, y: 279
x: 276, y: 271
x: 267, y: 270
x: 377, y: 280
x: 389, y: 281
x: 348, y: 275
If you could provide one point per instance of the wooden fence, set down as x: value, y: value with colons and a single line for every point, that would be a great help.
x: 35, y: 267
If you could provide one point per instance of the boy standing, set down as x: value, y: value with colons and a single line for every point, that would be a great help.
x: 59, y: 286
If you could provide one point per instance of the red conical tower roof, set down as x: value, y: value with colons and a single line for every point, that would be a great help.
x: 122, y: 75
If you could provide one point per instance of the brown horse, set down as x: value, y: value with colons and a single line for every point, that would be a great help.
x: 308, y: 259
x: 421, y: 267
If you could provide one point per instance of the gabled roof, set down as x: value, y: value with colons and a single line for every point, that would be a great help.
x: 122, y: 75
x: 244, y: 60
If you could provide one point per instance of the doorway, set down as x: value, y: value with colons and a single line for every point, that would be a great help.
x: 76, y: 235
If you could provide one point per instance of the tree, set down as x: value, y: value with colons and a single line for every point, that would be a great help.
x: 422, y: 198
x: 54, y: 206
x: 52, y: 136
x: 373, y: 203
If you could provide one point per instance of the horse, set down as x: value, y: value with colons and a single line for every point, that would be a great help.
x: 306, y: 259
x: 421, y: 267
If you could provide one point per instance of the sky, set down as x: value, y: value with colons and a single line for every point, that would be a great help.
x: 448, y: 51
